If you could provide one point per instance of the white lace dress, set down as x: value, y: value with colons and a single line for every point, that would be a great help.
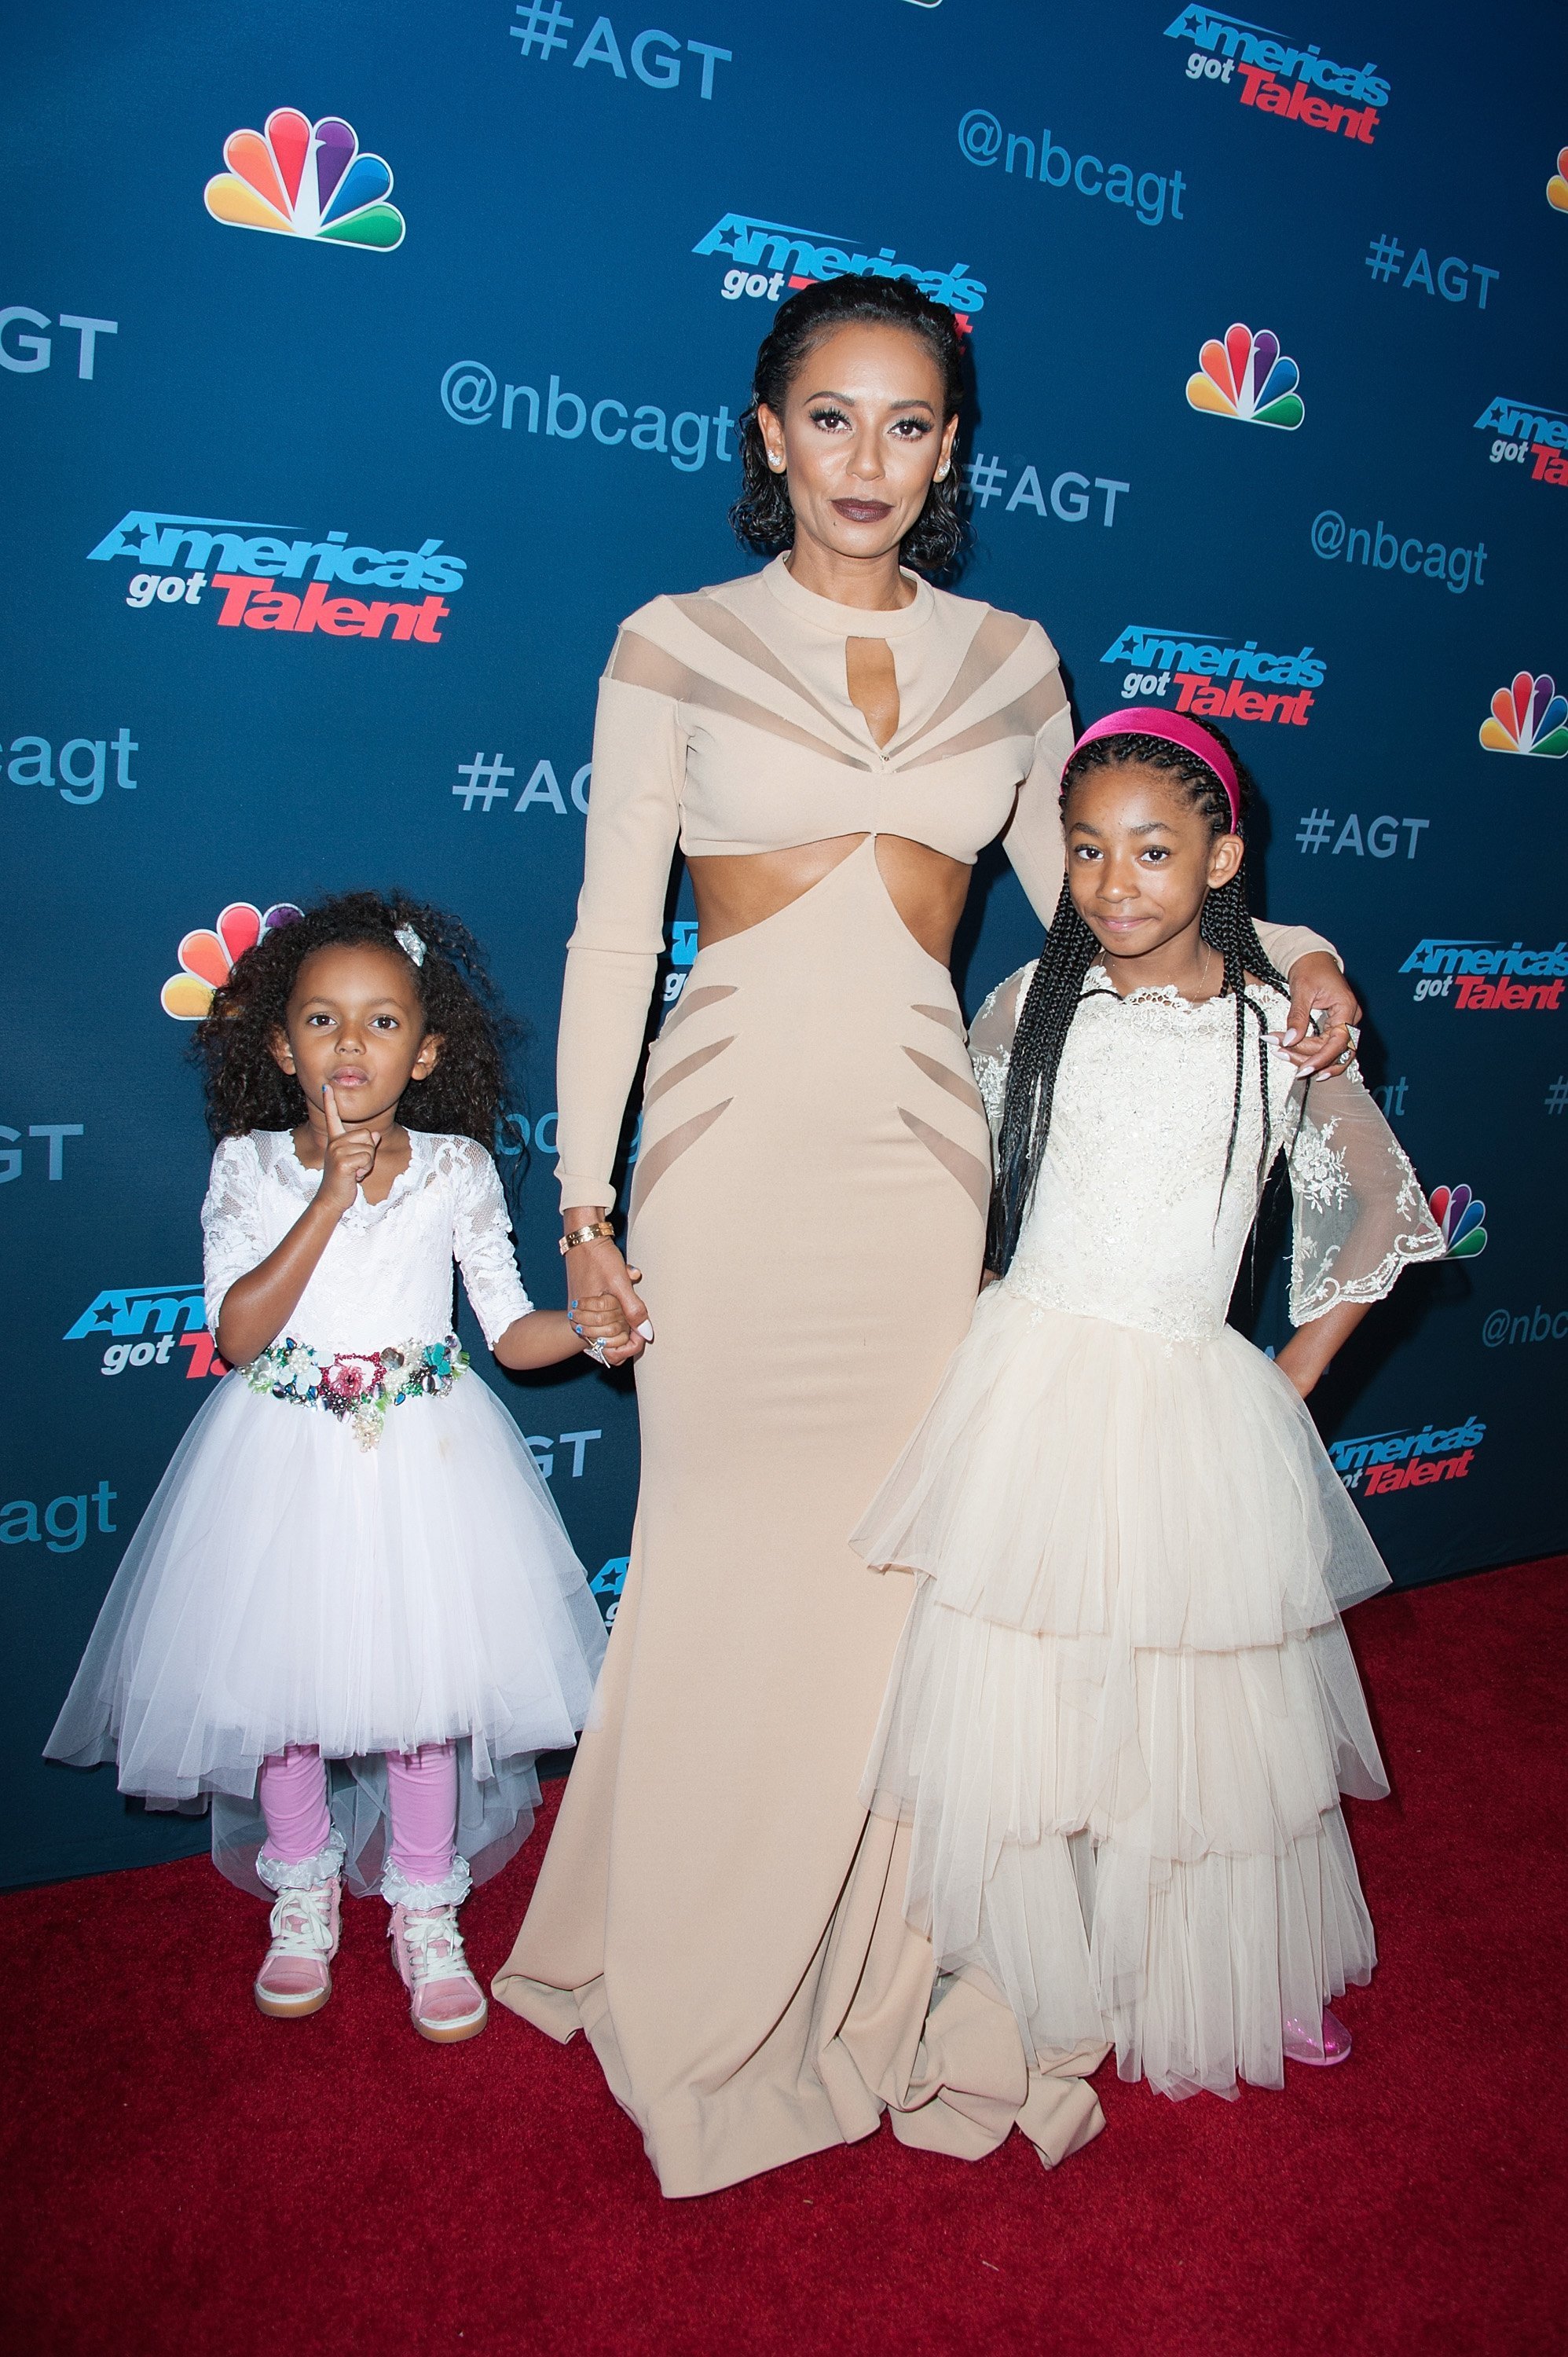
x: 301, y: 1577
x: 1124, y: 1708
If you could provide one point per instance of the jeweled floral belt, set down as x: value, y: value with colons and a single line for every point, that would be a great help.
x: 357, y: 1387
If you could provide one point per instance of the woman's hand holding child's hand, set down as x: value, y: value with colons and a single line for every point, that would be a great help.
x: 600, y: 1319
x: 350, y: 1155
x: 595, y: 1322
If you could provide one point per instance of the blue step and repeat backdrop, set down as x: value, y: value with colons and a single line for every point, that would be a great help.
x: 362, y: 366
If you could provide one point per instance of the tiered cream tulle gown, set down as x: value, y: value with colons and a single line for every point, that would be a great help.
x: 1125, y: 1709
x: 716, y: 1910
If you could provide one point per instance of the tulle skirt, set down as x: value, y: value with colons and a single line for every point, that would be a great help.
x: 1124, y: 1708
x: 286, y: 1586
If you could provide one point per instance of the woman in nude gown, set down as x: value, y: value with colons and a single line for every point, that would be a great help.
x: 830, y: 742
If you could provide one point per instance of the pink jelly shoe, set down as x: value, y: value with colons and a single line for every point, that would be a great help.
x: 1320, y: 2048
x: 447, y: 2002
x: 295, y: 1978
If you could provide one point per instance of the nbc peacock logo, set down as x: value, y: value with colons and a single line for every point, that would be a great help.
x: 1527, y: 716
x: 1557, y: 187
x: 1461, y: 1218
x: 1248, y: 378
x: 208, y: 956
x: 300, y: 178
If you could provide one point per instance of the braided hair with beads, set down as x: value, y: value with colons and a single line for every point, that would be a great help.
x: 1055, y: 989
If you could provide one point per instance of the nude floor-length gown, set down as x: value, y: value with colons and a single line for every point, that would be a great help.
x: 716, y: 1910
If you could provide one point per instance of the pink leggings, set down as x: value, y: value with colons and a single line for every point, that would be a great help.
x: 422, y: 1797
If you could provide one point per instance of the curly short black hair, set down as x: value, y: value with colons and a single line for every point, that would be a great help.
x: 762, y: 517
x: 466, y: 1092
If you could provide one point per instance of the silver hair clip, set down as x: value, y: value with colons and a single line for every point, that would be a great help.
x: 408, y: 940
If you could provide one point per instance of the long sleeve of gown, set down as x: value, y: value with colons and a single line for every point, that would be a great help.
x: 1361, y: 1216
x: 613, y: 954
x: 1034, y: 844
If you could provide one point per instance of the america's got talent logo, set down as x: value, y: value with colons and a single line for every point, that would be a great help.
x: 193, y: 555
x: 1214, y: 677
x: 772, y: 259
x: 1376, y: 1462
x: 1528, y: 434
x: 146, y: 1324
x: 1483, y: 976
x: 1291, y: 79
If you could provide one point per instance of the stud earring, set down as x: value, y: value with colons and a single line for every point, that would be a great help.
x: 941, y: 475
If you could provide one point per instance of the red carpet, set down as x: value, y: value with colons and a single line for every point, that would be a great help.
x: 184, y: 2176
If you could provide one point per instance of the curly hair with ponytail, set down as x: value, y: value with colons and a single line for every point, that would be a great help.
x: 763, y: 517
x: 1055, y: 989
x: 466, y: 1091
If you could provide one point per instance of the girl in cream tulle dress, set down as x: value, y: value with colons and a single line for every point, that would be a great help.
x: 1125, y: 1709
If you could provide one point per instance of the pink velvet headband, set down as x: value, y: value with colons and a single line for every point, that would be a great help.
x: 1148, y: 720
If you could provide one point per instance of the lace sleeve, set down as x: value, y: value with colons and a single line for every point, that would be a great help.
x: 991, y: 1041
x: 232, y: 1237
x: 1359, y: 1213
x: 482, y: 1244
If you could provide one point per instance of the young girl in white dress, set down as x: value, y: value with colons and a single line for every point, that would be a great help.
x: 1125, y: 1709
x: 353, y: 1557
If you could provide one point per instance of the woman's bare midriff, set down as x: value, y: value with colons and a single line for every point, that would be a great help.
x: 926, y: 889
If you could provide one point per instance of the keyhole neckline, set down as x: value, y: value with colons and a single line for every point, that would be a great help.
x: 852, y: 621
x: 879, y: 653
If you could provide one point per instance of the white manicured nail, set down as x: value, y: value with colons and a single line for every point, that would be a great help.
x: 645, y: 1331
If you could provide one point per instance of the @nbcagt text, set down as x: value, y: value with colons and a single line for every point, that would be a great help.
x: 1386, y: 551
x: 32, y: 759
x: 468, y: 392
x: 983, y: 142
x: 1500, y: 1327
x: 62, y: 1524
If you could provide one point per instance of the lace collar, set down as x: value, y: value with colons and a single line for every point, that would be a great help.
x: 292, y: 1174
x: 1097, y: 984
